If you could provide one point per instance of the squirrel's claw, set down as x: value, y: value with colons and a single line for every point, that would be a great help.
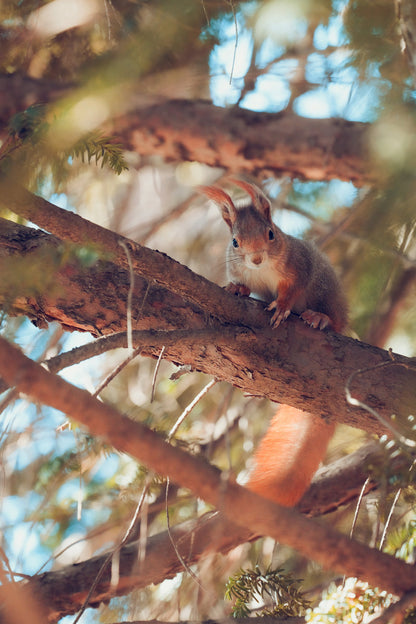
x: 318, y: 320
x: 279, y: 315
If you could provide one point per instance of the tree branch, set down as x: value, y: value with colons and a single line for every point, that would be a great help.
x: 153, y: 266
x: 259, y: 516
x: 240, y: 140
x: 194, y: 539
x: 235, y: 139
x: 294, y: 364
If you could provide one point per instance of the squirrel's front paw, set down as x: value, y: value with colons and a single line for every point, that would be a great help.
x: 319, y: 320
x: 238, y: 289
x: 279, y: 315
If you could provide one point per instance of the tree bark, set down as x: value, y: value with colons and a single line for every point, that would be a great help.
x: 239, y: 140
x: 235, y: 139
x: 253, y: 514
x: 227, y: 337
x: 294, y: 364
x: 65, y: 590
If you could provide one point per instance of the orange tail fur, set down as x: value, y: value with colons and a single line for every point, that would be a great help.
x: 289, y: 455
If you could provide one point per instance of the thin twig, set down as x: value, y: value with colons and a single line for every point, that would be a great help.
x: 386, y: 526
x: 152, y: 227
x: 172, y: 432
x: 358, y: 505
x: 159, y: 359
x: 7, y: 564
x: 141, y: 549
x: 175, y: 548
x: 116, y: 371
x: 404, y: 17
x: 204, y: 8
x: 188, y: 409
x: 231, y: 3
x: 405, y: 441
x: 130, y: 294
x: 357, y: 509
x: 81, y: 483
x: 9, y: 398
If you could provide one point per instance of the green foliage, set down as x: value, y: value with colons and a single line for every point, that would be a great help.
x: 402, y: 542
x: 29, y: 124
x: 251, y: 586
x: 31, y: 127
x: 100, y: 148
x: 401, y: 473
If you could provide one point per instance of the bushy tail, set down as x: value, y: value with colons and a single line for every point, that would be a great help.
x: 289, y: 455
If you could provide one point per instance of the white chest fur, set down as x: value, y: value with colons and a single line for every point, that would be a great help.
x: 261, y: 279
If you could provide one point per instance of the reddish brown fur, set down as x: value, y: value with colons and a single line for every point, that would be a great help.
x: 292, y: 275
x: 289, y: 455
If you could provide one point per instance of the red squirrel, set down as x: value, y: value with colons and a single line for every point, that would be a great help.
x: 291, y: 275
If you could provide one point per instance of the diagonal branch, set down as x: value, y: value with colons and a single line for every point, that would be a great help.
x: 294, y: 364
x: 256, y: 515
x: 152, y: 265
x: 194, y: 539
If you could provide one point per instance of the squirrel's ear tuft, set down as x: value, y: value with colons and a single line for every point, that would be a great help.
x: 223, y: 200
x: 259, y: 199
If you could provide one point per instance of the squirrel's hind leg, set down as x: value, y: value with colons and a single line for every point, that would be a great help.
x: 318, y: 320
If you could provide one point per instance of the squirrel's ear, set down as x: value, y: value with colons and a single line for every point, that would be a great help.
x: 224, y: 201
x: 259, y: 199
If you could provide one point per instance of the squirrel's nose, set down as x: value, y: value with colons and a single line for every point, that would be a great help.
x: 257, y: 259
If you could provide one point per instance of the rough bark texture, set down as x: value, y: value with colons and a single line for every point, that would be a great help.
x: 240, y: 140
x: 92, y: 299
x: 253, y: 514
x: 234, y: 139
x: 225, y: 337
x: 294, y: 365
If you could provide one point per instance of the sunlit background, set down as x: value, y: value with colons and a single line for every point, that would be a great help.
x: 318, y: 59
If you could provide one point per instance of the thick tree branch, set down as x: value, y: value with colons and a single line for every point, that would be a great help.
x: 294, y: 364
x: 93, y: 299
x: 153, y: 266
x: 326, y: 546
x: 232, y: 138
x: 194, y: 539
x: 241, y: 140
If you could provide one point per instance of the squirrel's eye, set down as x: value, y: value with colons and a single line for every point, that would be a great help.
x: 235, y: 243
x: 271, y: 235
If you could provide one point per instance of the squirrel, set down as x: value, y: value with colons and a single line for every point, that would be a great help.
x: 291, y: 275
